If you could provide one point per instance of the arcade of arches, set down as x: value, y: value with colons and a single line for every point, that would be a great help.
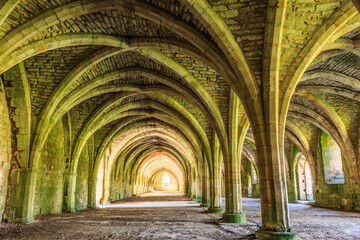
x: 101, y: 100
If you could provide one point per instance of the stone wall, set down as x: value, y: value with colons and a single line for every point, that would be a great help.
x: 115, y: 193
x: 340, y: 196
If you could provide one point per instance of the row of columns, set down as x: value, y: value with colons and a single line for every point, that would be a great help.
x: 272, y: 180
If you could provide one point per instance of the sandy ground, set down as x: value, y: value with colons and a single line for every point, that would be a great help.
x: 169, y: 215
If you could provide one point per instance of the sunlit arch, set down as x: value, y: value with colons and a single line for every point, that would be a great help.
x: 112, y: 115
x: 152, y: 164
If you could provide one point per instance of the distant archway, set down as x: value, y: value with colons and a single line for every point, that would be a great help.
x: 305, y: 181
x: 166, y: 182
x: 332, y: 160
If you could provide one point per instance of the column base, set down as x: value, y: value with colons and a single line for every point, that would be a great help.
x: 234, y: 218
x: 204, y: 205
x: 215, y: 210
x: 104, y: 203
x: 269, y: 235
x: 23, y: 220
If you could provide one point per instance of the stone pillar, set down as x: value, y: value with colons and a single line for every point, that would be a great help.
x: 106, y: 180
x: 193, y: 184
x: 215, y: 179
x: 233, y: 212
x: 268, y: 125
x: 92, y: 180
x: 292, y: 188
x: 246, y: 180
x: 292, y: 176
x: 129, y: 191
x: 143, y: 189
x: 106, y: 192
x: 135, y: 187
x: 269, y: 138
x: 69, y: 198
x: 255, y: 189
x: 20, y: 206
x: 205, y: 197
x: 121, y: 187
x: 188, y: 184
x: 272, y: 178
x: 198, y: 186
x: 273, y: 193
x: 92, y: 192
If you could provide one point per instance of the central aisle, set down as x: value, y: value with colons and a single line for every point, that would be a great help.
x: 154, y: 199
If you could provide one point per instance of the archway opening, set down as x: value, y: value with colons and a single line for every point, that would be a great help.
x: 305, y: 186
x: 166, y: 182
x: 332, y: 160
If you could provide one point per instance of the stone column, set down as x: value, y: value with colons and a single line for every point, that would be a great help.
x: 106, y: 181
x: 198, y: 186
x: 233, y: 212
x: 268, y: 126
x: 21, y: 209
x: 106, y: 192
x: 205, y: 197
x: 292, y: 176
x: 92, y: 180
x: 215, y: 179
x: 193, y: 187
x: 273, y: 193
x: 269, y: 137
x: 188, y: 188
x: 255, y: 184
x: 92, y: 192
x: 188, y: 184
x: 69, y: 199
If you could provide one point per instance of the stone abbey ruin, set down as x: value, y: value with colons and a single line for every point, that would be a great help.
x: 245, y: 113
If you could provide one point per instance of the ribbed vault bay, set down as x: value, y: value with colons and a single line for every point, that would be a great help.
x: 105, y: 100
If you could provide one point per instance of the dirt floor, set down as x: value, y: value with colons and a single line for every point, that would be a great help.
x: 171, y: 216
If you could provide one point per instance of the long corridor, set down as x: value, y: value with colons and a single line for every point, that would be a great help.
x: 170, y: 215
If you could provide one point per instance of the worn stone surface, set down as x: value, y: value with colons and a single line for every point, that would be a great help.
x: 151, y: 217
